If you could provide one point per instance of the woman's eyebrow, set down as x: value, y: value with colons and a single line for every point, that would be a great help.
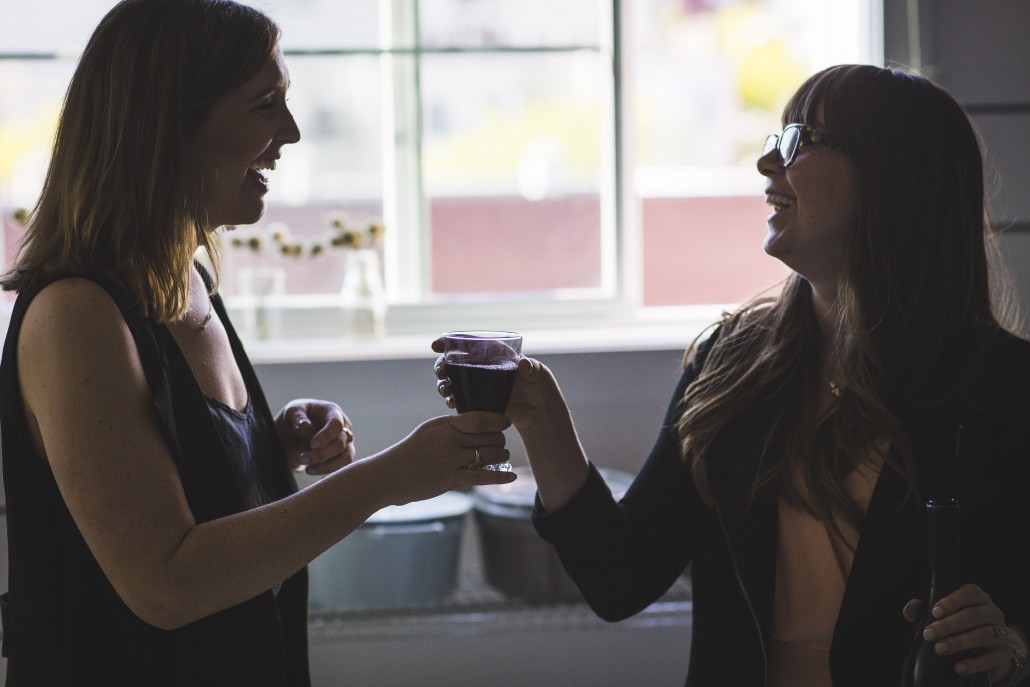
x: 280, y: 87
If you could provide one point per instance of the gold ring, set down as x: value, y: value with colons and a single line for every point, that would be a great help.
x: 477, y: 463
x: 348, y: 432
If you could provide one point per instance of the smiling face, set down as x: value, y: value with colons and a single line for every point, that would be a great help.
x: 241, y: 136
x: 814, y: 204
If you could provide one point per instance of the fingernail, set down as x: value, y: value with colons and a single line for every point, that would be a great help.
x: 315, y: 443
x: 960, y: 667
x: 304, y: 459
x: 941, y: 648
x: 937, y: 612
x: 928, y: 634
x: 510, y: 477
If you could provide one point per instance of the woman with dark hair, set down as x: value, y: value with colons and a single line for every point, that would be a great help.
x: 156, y: 532
x: 807, y: 430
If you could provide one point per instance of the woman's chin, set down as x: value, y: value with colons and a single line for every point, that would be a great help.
x: 248, y: 216
x: 771, y: 244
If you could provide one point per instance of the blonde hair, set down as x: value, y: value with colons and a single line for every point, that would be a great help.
x: 117, y: 199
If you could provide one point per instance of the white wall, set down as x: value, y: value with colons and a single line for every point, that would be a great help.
x: 980, y: 52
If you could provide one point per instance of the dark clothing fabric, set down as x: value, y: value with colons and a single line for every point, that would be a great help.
x: 244, y: 436
x: 624, y: 555
x: 64, y: 623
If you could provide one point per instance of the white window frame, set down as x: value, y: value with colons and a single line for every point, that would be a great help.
x: 608, y: 317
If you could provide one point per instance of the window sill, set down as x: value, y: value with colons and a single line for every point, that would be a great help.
x: 655, y: 329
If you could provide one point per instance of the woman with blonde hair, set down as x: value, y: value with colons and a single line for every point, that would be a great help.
x: 156, y: 532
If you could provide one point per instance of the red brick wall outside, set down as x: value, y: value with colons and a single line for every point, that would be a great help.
x: 706, y: 250
x: 504, y: 244
x: 696, y: 250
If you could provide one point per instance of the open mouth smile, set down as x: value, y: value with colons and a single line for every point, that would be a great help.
x: 257, y: 167
x: 778, y: 201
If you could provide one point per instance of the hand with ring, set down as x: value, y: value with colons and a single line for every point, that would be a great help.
x: 316, y: 435
x: 477, y: 464
x: 970, y: 627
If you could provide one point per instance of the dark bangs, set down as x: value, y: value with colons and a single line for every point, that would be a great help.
x: 848, y: 96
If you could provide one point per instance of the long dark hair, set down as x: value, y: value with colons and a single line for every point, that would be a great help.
x: 915, y: 311
x: 118, y: 199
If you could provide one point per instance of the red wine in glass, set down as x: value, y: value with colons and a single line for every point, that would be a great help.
x: 481, y: 369
x: 482, y: 386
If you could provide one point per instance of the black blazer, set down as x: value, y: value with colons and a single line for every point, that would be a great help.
x: 625, y: 555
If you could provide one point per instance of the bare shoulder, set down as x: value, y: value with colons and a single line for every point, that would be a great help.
x: 73, y: 330
x: 67, y: 302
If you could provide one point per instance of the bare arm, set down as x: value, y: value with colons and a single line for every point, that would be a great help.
x: 88, y: 405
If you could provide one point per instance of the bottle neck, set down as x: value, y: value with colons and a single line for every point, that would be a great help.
x: 943, y: 547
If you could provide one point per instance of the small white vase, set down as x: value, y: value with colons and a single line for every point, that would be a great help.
x: 363, y: 295
x: 261, y: 286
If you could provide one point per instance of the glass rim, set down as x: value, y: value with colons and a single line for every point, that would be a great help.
x: 481, y: 334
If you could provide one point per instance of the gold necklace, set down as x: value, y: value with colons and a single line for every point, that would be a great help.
x: 835, y: 390
x: 207, y: 319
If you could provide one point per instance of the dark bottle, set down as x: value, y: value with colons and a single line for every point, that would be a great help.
x: 923, y: 667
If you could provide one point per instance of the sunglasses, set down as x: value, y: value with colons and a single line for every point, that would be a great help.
x: 793, y: 138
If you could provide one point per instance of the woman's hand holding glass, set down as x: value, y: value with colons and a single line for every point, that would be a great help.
x: 538, y: 411
x: 534, y: 391
x: 436, y: 456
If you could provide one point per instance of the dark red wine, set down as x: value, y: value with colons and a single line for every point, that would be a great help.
x: 482, y: 387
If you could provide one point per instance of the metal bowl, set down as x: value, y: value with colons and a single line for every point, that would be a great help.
x: 516, y: 561
x: 401, y: 556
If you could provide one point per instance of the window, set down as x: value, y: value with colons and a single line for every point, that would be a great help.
x: 533, y: 163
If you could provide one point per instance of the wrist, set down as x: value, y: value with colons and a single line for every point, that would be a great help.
x: 1020, y: 658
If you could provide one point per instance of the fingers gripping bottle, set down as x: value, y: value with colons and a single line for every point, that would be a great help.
x: 923, y: 666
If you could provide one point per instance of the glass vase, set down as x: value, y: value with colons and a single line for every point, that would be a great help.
x: 363, y: 295
x: 261, y: 286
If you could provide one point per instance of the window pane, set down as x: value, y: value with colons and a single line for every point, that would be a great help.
x: 710, y: 80
x: 324, y: 24
x: 513, y: 158
x: 527, y: 23
x: 33, y: 92
x: 49, y: 27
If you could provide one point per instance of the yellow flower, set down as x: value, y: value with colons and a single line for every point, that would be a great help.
x: 376, y: 229
x: 347, y: 238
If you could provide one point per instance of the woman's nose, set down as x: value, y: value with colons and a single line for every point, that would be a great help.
x: 769, y: 163
x: 289, y: 132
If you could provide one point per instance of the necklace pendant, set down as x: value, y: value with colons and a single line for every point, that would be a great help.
x: 834, y: 389
x: 203, y: 325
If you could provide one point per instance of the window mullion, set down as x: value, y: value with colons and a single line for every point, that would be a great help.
x: 407, y: 235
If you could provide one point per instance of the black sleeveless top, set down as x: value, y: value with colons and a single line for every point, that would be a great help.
x: 63, y: 622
